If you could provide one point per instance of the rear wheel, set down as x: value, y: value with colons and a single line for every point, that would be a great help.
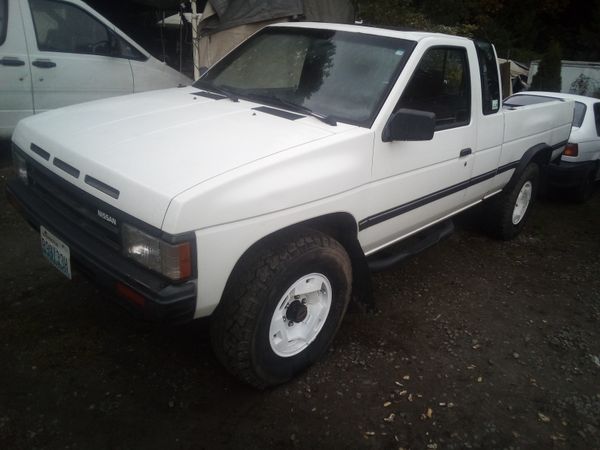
x: 586, y: 189
x: 282, y: 310
x: 508, y: 211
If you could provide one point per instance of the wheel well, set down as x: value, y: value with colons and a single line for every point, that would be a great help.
x: 539, y: 154
x: 341, y: 226
x: 542, y: 157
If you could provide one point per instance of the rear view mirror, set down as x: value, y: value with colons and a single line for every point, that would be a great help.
x: 409, y: 125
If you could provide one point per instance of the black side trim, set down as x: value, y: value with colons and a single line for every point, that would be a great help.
x: 66, y: 167
x: 509, y: 166
x: 102, y: 187
x: 278, y: 113
x: 422, y: 201
x: 210, y: 95
x: 40, y: 152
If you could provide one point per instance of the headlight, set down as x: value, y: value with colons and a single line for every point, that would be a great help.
x: 20, y: 166
x: 171, y: 260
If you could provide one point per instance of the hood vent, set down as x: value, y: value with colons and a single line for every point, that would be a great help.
x: 66, y: 167
x: 102, y: 187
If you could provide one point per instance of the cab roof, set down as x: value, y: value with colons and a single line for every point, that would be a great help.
x: 389, y: 32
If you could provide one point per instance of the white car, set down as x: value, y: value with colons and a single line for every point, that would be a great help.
x: 264, y: 193
x: 55, y: 53
x: 579, y: 165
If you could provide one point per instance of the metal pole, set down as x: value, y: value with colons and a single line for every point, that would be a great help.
x: 195, y: 44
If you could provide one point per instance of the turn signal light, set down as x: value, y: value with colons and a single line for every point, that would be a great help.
x: 571, y: 150
x: 127, y: 293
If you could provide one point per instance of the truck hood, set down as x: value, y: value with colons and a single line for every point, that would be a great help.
x: 152, y: 146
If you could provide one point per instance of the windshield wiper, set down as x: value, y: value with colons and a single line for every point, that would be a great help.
x: 276, y: 101
x: 217, y: 89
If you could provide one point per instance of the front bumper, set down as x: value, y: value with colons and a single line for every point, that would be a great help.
x: 138, y: 289
x: 565, y: 174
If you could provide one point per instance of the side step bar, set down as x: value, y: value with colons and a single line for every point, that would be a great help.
x: 410, y: 246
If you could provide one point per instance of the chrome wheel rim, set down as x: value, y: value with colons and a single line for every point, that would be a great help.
x: 522, y: 203
x: 300, y: 315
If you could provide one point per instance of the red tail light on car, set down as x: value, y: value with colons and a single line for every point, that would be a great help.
x: 571, y: 150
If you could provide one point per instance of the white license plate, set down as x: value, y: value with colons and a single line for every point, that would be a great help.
x: 56, y: 251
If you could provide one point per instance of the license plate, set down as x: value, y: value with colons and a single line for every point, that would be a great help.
x: 56, y: 251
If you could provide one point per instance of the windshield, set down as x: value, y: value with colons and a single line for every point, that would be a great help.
x: 342, y: 75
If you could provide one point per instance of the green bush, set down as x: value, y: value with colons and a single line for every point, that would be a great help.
x: 548, y: 76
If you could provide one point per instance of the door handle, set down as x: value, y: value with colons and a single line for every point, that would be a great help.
x: 44, y: 63
x: 11, y: 61
x: 465, y: 152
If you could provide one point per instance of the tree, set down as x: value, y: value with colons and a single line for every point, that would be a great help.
x: 548, y: 76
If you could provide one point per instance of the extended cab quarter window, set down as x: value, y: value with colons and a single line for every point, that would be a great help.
x: 3, y: 20
x: 490, y: 84
x: 441, y: 85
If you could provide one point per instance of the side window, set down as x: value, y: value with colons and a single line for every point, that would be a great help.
x: 441, y: 85
x: 126, y: 50
x: 488, y: 70
x: 62, y: 27
x: 597, y: 117
x: 3, y: 20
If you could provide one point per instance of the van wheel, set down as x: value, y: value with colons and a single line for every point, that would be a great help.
x: 508, y: 211
x: 283, y: 308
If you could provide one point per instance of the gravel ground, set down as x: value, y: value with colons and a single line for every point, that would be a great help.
x: 474, y: 343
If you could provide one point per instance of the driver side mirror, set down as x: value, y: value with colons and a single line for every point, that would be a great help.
x: 409, y: 125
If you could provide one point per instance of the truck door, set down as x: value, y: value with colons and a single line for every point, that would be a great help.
x: 15, y: 75
x: 70, y: 50
x: 419, y: 182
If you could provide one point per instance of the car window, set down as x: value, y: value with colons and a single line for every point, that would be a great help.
x: 579, y: 114
x: 597, y: 117
x: 3, y: 20
x: 62, y: 27
x: 527, y: 99
x: 441, y: 85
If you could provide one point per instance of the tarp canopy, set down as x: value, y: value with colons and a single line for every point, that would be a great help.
x: 164, y: 4
x: 231, y: 13
x: 223, y: 14
x: 516, y: 69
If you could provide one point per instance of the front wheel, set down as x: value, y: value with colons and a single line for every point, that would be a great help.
x: 282, y: 310
x: 508, y: 211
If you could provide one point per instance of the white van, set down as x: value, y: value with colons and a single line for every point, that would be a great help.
x: 55, y: 53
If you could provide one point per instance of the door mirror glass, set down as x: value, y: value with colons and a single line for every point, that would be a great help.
x: 409, y: 125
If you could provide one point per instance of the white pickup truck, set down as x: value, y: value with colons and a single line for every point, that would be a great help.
x: 55, y: 53
x: 264, y: 193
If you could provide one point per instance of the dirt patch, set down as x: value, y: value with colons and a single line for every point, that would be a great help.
x: 475, y: 344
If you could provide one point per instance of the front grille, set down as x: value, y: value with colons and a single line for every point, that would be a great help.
x: 75, y: 205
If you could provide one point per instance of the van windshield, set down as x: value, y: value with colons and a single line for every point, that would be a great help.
x: 341, y: 75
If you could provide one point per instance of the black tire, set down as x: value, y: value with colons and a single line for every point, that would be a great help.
x: 240, y: 326
x: 584, y: 192
x: 500, y: 208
